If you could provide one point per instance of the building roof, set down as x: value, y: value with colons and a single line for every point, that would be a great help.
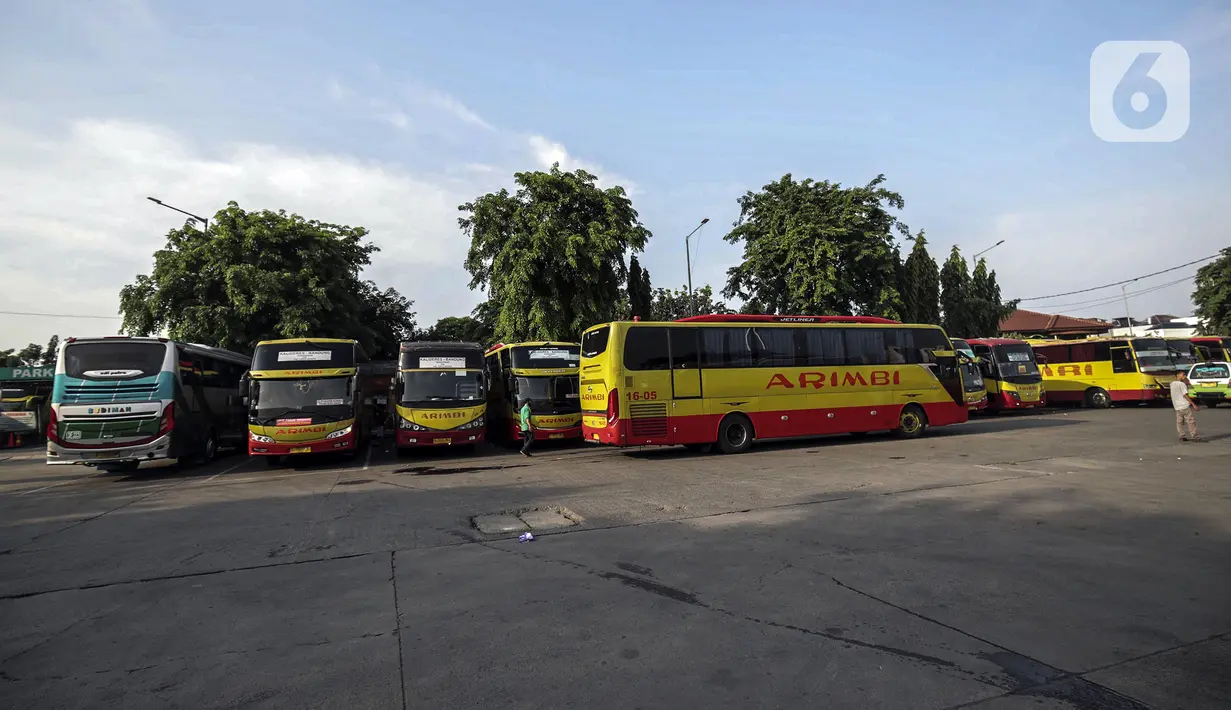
x: 1023, y: 321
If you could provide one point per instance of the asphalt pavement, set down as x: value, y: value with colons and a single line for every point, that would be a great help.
x: 1071, y: 559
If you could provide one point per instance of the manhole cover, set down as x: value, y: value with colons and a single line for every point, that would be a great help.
x: 517, y: 521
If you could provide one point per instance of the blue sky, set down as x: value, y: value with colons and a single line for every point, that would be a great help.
x: 390, y: 114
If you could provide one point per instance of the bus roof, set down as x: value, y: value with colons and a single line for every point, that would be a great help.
x: 220, y: 352
x: 530, y: 344
x: 761, y: 318
x: 412, y: 346
x: 996, y: 341
x: 284, y: 341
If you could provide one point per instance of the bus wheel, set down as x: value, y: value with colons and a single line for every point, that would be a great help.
x: 1097, y: 398
x: 273, y: 461
x: 912, y: 422
x: 210, y: 450
x: 734, y: 434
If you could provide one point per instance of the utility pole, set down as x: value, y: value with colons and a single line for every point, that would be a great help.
x: 692, y: 302
x: 1128, y: 318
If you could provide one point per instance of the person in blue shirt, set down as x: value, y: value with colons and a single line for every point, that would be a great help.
x: 527, y: 428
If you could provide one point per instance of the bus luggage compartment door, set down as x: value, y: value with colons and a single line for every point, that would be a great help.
x: 687, y: 406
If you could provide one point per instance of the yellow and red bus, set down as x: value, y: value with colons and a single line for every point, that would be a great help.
x: 1010, y: 374
x: 545, y: 373
x: 305, y: 397
x: 730, y: 379
x: 1213, y: 347
x: 1098, y: 372
x: 440, y: 395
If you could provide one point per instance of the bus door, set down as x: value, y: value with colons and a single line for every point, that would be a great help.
x: 687, y: 404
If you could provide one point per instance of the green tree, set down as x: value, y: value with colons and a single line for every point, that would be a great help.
x: 955, y: 296
x: 51, y: 351
x: 1212, y: 296
x: 552, y: 256
x: 818, y: 248
x: 985, y: 307
x: 640, y: 294
x: 265, y: 274
x: 672, y: 305
x: 921, y: 292
x: 29, y: 356
x: 460, y: 328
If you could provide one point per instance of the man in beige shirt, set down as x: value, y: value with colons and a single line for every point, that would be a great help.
x: 1184, y: 408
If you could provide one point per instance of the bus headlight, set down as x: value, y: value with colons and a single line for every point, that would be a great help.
x: 472, y: 424
x: 260, y: 439
x: 339, y: 433
x: 407, y: 424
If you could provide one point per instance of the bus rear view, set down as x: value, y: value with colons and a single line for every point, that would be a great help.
x: 440, y: 394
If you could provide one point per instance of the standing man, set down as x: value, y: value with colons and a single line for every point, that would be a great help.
x: 527, y: 429
x: 1184, y: 408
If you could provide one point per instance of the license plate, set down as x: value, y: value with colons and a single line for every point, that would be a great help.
x: 556, y: 436
x: 445, y: 440
x: 106, y: 455
x: 1208, y: 384
x: 301, y: 450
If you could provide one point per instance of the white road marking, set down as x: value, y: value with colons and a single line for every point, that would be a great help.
x: 241, y: 463
x: 61, y: 483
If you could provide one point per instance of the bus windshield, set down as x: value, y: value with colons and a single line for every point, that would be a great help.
x: 112, y: 360
x: 557, y: 395
x: 1015, y: 360
x: 453, y: 386
x: 1182, y: 352
x: 328, y: 397
x: 1153, y: 355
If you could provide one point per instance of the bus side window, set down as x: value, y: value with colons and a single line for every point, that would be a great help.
x: 1122, y: 360
x: 684, y: 352
x: 645, y: 348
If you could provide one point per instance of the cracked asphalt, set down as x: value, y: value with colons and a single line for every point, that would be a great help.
x: 1070, y: 559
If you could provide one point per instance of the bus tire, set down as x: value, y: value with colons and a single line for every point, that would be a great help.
x: 1097, y: 398
x: 912, y: 422
x: 209, y: 449
x: 735, y: 434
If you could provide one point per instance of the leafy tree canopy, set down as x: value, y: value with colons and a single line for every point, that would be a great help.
x: 259, y: 275
x: 818, y: 248
x: 672, y: 305
x: 921, y: 285
x: 985, y: 308
x: 640, y: 293
x: 461, y: 328
x: 955, y: 296
x: 33, y: 355
x: 1212, y: 296
x: 551, y: 256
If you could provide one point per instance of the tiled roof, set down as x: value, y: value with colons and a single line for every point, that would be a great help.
x: 1023, y: 321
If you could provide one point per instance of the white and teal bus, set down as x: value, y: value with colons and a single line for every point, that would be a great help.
x: 117, y: 401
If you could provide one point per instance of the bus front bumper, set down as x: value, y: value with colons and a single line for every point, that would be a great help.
x: 406, y: 438
x: 553, y: 434
x: 345, y: 442
x: 159, y: 448
x: 1010, y: 400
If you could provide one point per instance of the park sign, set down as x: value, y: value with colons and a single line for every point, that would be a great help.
x: 9, y: 374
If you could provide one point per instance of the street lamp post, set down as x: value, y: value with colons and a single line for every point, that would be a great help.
x: 204, y: 222
x: 692, y: 302
x: 976, y: 256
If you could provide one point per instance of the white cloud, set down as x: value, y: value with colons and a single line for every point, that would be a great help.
x: 77, y: 226
x: 548, y: 152
x: 452, y: 106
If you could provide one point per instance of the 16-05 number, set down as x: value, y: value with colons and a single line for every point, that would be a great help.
x: 642, y: 395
